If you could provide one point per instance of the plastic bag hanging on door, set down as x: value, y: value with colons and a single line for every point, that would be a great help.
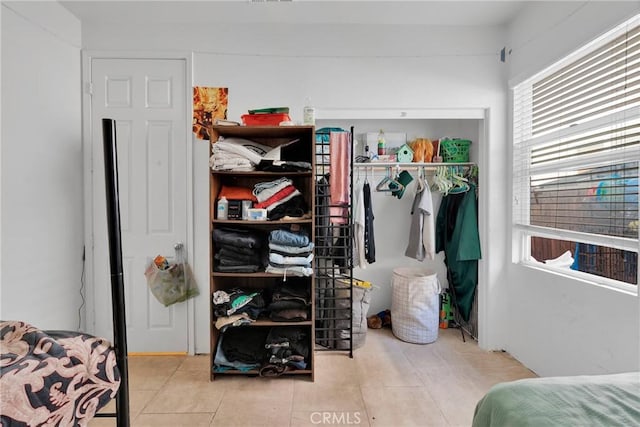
x: 171, y: 281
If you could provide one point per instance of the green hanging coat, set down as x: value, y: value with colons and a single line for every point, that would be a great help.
x: 457, y: 235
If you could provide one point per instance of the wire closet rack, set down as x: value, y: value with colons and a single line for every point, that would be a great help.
x: 334, y: 249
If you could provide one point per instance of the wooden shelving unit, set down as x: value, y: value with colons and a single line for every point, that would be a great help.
x: 301, y: 150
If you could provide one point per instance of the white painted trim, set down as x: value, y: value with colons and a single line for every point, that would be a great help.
x: 586, y: 278
x: 481, y: 114
x: 483, y: 222
x: 88, y: 323
x: 623, y: 243
x: 398, y: 113
x: 87, y: 57
x: 189, y: 244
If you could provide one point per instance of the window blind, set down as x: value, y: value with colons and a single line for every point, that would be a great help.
x: 602, y: 82
x: 576, y: 134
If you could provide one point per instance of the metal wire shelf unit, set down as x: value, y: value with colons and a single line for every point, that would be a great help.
x: 333, y: 254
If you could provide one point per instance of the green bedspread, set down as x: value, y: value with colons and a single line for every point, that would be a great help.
x: 597, y: 400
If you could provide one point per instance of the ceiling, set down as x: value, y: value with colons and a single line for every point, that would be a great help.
x: 416, y: 12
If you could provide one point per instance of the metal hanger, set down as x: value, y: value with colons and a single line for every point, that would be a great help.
x: 388, y: 181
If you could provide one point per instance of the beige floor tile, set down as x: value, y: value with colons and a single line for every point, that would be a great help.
x: 173, y: 420
x: 329, y: 418
x: 401, y: 406
x: 137, y: 401
x: 388, y: 383
x: 486, y: 378
x: 316, y: 397
x: 386, y: 369
x: 186, y: 392
x: 336, y: 369
x: 455, y: 394
x: 151, y: 372
x: 241, y: 384
x: 198, y: 362
x: 151, y: 363
x: 244, y: 409
x: 102, y: 422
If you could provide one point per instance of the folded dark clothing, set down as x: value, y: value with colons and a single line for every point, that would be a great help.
x: 294, y: 286
x: 297, y: 339
x: 245, y: 344
x: 243, y: 238
x: 254, y: 308
x: 229, y: 250
x: 238, y: 259
x: 237, y: 268
x: 240, y: 301
x: 289, y: 315
x: 287, y: 304
x: 283, y: 166
x: 295, y: 207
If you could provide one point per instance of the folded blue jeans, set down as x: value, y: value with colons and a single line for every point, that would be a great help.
x: 289, y: 238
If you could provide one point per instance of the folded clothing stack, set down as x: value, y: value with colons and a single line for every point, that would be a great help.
x: 241, y: 348
x: 287, y: 349
x: 237, y: 154
x: 238, y: 250
x: 290, y: 253
x: 290, y: 302
x: 236, y: 307
x: 272, y: 351
x: 231, y: 153
x: 280, y: 198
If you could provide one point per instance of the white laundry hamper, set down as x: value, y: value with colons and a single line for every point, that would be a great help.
x: 415, y: 305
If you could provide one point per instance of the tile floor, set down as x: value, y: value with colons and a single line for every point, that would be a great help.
x: 387, y: 383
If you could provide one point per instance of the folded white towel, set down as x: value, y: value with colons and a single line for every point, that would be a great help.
x: 250, y: 150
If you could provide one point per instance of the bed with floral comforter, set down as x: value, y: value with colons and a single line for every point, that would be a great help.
x: 53, y: 378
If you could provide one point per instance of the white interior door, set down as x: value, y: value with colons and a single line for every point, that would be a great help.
x: 146, y: 97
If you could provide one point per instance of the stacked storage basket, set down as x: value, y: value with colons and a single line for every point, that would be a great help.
x: 455, y: 150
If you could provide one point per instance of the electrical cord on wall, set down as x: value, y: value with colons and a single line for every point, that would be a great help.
x: 81, y: 289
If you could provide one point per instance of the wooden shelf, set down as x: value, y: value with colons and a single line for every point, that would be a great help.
x: 255, y: 372
x: 263, y: 223
x: 271, y: 323
x: 262, y: 131
x: 250, y: 275
x: 264, y: 174
x: 407, y: 165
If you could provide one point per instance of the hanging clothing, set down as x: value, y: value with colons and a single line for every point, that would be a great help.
x: 422, y: 243
x: 340, y: 157
x: 457, y: 235
x: 359, y: 257
x: 369, y: 239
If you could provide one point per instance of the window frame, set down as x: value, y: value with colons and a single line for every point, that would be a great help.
x: 522, y: 230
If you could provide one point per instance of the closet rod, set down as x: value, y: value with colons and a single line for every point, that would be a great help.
x: 407, y: 165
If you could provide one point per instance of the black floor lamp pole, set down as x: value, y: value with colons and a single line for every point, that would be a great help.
x: 117, y: 278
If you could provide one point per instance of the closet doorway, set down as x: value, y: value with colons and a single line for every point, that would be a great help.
x: 390, y: 227
x: 148, y: 99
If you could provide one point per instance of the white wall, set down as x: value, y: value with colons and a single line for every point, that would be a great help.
x: 358, y: 66
x: 42, y: 209
x: 559, y: 325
